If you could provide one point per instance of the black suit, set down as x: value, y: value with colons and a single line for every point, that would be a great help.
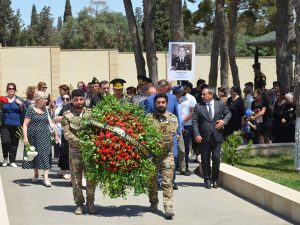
x: 211, y: 137
x: 185, y: 64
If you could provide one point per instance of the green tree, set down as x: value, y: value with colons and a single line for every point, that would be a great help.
x: 162, y: 34
x: 6, y: 15
x: 32, y: 31
x: 15, y: 30
x: 59, y: 23
x: 68, y: 10
x: 45, y: 27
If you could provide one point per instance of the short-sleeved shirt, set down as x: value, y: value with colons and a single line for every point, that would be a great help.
x: 186, y: 102
x: 256, y: 107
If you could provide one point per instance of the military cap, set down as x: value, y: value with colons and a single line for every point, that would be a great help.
x: 95, y: 81
x: 143, y: 79
x: 177, y: 89
x: 118, y: 83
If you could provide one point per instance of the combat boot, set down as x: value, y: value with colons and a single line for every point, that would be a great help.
x: 79, y: 210
x: 169, y: 213
x: 91, y: 207
x: 153, y: 207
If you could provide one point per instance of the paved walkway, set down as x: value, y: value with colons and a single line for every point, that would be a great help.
x: 34, y: 204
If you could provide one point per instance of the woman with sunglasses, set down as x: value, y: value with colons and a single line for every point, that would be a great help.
x: 63, y: 161
x: 12, y: 116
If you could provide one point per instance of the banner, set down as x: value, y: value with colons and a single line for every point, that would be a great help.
x: 181, y: 61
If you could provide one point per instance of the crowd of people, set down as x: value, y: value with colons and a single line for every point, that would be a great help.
x: 205, y: 118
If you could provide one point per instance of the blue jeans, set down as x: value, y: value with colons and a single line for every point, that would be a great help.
x: 187, y: 135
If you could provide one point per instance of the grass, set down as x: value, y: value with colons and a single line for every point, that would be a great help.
x: 277, y: 168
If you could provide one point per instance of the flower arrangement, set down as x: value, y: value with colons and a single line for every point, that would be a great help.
x: 117, y: 144
x: 29, y: 150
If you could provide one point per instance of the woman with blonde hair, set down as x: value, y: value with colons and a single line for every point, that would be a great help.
x: 37, y: 131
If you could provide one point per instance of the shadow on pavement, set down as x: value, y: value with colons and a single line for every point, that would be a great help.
x: 108, y: 211
x: 190, y: 184
x: 24, y: 182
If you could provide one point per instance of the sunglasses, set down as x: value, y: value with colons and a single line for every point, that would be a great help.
x: 44, y: 87
x: 11, y: 89
x: 66, y: 99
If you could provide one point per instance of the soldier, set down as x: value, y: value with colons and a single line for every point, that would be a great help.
x: 96, y: 93
x: 259, y: 77
x: 143, y: 85
x: 167, y: 123
x: 182, y: 61
x: 70, y: 125
x: 118, y: 89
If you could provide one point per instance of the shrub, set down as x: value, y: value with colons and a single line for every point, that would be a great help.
x: 233, y: 155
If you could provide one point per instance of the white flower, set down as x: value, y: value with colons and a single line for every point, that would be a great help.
x: 31, y: 155
x: 32, y: 148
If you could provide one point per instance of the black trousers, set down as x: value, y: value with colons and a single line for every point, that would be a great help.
x: 9, y: 141
x: 210, y: 150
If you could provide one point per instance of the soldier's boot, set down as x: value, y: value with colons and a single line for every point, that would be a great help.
x: 79, y: 210
x: 91, y: 207
x: 169, y: 212
x: 153, y: 207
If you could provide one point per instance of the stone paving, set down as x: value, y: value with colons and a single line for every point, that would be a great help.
x: 35, y: 204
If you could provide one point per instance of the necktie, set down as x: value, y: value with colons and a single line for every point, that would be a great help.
x: 181, y: 60
x: 210, y: 111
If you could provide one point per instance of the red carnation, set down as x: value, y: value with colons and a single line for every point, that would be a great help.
x: 3, y: 99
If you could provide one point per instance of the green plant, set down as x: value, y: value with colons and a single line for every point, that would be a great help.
x: 230, y: 148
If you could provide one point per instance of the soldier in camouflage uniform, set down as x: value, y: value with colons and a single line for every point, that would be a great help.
x: 143, y: 85
x: 167, y: 123
x: 70, y: 125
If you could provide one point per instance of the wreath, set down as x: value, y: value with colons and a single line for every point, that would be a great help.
x: 117, y: 143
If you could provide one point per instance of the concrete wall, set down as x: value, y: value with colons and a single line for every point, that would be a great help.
x: 28, y: 65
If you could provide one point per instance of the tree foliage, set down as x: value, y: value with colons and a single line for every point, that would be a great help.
x: 68, y: 10
x: 6, y: 15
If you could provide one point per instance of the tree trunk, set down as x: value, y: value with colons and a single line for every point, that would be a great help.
x: 136, y: 43
x: 282, y: 42
x: 297, y: 86
x: 223, y: 44
x: 149, y: 40
x: 214, y: 55
x: 176, y: 20
x: 232, y: 19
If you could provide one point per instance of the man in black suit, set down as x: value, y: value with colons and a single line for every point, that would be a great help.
x: 209, y: 119
x: 182, y: 61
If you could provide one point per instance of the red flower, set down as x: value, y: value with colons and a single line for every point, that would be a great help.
x: 3, y: 99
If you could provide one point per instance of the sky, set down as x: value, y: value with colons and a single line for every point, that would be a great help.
x: 58, y: 7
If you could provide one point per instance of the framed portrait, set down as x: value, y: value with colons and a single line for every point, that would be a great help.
x: 181, y: 61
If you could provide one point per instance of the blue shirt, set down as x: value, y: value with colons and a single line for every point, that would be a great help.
x: 11, y: 114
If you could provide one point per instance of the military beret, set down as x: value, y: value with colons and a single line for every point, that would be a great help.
x: 143, y: 79
x: 118, y: 83
x: 95, y: 81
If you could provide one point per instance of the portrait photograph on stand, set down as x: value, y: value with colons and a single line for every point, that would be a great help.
x: 181, y: 61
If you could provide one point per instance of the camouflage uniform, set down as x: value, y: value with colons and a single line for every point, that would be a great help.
x: 70, y: 125
x: 138, y: 98
x: 165, y: 162
x: 259, y: 80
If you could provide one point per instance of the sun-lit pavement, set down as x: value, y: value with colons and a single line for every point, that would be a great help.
x: 35, y: 204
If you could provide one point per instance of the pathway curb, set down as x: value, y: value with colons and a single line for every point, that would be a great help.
x: 3, y: 209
